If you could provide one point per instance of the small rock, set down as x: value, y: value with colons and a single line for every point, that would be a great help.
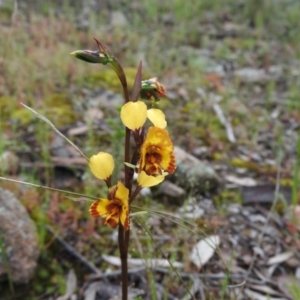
x: 191, y: 212
x: 171, y: 191
x: 19, y: 237
x: 107, y: 101
x: 233, y: 29
x: 168, y: 19
x: 58, y: 146
x: 251, y: 75
x: 93, y: 114
x: 192, y: 174
x: 118, y: 19
x: 80, y: 130
x: 9, y: 162
x: 260, y: 76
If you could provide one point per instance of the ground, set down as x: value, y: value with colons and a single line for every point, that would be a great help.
x: 231, y: 72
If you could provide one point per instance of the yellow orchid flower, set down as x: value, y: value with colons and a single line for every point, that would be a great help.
x: 157, y: 153
x: 134, y: 115
x: 115, y: 209
x: 102, y: 165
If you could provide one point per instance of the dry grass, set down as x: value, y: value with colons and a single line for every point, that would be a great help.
x: 34, y: 57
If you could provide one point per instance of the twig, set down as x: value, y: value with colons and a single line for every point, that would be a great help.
x: 93, y: 277
x: 74, y: 252
x: 216, y: 276
x: 224, y: 122
x: 260, y: 238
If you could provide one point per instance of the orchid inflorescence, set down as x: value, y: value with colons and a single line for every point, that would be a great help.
x: 152, y: 158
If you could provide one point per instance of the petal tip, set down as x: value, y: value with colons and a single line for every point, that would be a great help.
x: 93, y: 209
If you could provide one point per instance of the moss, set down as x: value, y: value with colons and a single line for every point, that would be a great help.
x: 57, y: 100
x: 108, y: 78
x: 218, y: 156
x: 59, y: 109
x: 22, y: 116
x: 280, y: 206
x: 245, y: 164
x: 43, y: 273
x: 226, y: 197
x: 202, y: 125
x: 252, y: 166
x: 50, y: 279
x: 7, y: 106
x: 286, y: 182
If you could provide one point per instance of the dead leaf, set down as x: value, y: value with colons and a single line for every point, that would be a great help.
x: 204, y: 250
x: 254, y: 295
x: 135, y: 262
x: 279, y: 258
x: 90, y: 292
x: 215, y: 80
x: 80, y: 130
x: 71, y: 285
x: 246, y: 181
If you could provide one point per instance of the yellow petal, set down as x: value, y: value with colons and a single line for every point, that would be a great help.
x: 102, y: 165
x: 112, y: 220
x: 122, y: 192
x: 124, y: 217
x: 134, y: 114
x: 115, y: 209
x: 99, y: 208
x: 157, y: 117
x: 145, y: 180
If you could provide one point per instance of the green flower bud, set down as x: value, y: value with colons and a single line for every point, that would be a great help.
x: 93, y: 57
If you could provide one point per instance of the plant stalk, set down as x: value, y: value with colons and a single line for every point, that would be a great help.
x: 123, y: 237
x: 123, y: 247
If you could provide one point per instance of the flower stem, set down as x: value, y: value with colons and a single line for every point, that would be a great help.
x: 127, y: 159
x: 123, y: 247
x: 134, y: 194
x: 124, y: 235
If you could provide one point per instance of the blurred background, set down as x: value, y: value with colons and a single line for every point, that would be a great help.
x: 231, y: 72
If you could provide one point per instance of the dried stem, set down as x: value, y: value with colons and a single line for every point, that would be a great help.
x: 48, y: 188
x: 55, y: 129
